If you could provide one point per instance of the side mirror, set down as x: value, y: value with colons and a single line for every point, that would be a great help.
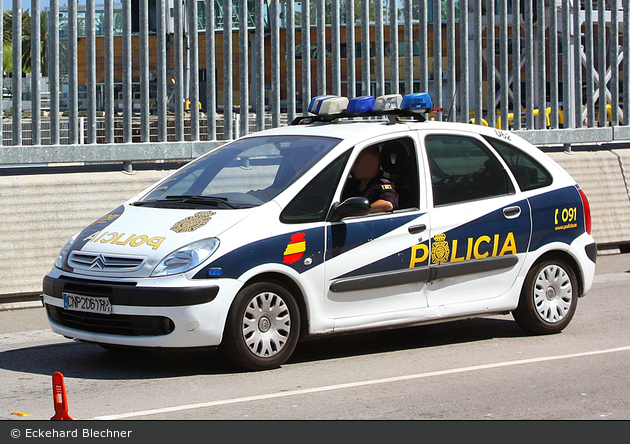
x: 353, y: 206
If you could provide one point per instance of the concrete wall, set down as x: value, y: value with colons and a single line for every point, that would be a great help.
x: 39, y: 213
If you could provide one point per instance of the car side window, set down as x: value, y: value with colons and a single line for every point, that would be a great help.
x: 398, y: 164
x: 463, y: 169
x: 529, y: 174
x: 314, y: 201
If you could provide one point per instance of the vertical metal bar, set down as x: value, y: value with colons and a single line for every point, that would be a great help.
x: 351, y: 78
x: 614, y: 63
x: 542, y: 69
x: 2, y: 78
x: 290, y: 39
x: 423, y: 56
x: 465, y: 78
x: 409, y: 45
x: 365, y: 47
x: 162, y: 71
x: 504, y: 67
x: 178, y: 61
x: 529, y: 63
x: 491, y: 65
x: 451, y: 80
x: 53, y: 71
x: 109, y: 71
x: 274, y: 15
x: 259, y: 68
x: 567, y: 72
x: 393, y: 46
x: 211, y: 85
x: 227, y: 70
x: 243, y: 51
x: 306, y: 55
x: 601, y: 59
x: 478, y: 64
x: 577, y: 63
x: 17, y: 72
x: 321, y: 46
x: 437, y: 56
x: 73, y: 85
x: 516, y: 64
x: 145, y: 135
x: 193, y: 53
x: 126, y: 74
x: 590, y: 65
x: 36, y: 74
x: 335, y: 38
x: 91, y: 71
x: 553, y: 66
x: 379, y: 59
x: 626, y: 61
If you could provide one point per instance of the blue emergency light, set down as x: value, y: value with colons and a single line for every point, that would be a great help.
x: 416, y: 101
x: 361, y: 104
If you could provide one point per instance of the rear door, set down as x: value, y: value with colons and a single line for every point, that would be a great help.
x: 480, y: 223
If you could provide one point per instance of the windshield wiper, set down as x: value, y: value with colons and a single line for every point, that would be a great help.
x: 205, y: 200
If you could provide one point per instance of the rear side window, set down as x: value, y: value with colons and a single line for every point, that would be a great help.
x: 528, y: 172
x: 463, y: 169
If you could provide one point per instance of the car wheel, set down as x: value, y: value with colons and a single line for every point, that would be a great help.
x: 548, y: 299
x: 262, y: 328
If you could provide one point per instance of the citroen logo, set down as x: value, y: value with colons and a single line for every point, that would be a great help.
x: 98, y: 262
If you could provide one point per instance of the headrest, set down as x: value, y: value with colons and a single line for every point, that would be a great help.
x: 394, y: 157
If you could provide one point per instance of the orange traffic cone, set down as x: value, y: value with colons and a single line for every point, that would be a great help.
x: 59, y: 397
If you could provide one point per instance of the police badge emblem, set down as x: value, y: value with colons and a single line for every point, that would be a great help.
x: 191, y: 223
x: 439, y: 249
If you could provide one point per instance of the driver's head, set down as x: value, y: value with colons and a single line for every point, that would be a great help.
x: 367, y: 164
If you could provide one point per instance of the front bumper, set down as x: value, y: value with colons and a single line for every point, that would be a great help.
x: 164, y: 312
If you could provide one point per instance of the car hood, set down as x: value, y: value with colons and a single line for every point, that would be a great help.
x: 130, y: 241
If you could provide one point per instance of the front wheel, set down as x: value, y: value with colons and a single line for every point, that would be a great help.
x: 262, y: 328
x: 548, y: 299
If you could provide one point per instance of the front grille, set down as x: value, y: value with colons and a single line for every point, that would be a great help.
x: 113, y: 324
x: 105, y: 262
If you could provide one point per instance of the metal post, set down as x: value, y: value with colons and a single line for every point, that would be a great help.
x: 243, y: 69
x: 351, y: 78
x: 193, y: 69
x: 53, y: 72
x: 211, y: 78
x: 393, y: 47
x: 109, y: 71
x: 17, y: 72
x: 36, y: 73
x: 91, y: 72
x: 227, y: 70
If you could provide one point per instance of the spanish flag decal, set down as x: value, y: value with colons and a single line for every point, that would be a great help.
x: 295, y: 248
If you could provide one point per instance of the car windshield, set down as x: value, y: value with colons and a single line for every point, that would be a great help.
x: 243, y: 174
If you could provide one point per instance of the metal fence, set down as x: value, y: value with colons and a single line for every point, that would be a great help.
x: 129, y: 72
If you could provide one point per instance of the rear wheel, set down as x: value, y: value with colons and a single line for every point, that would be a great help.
x: 548, y: 299
x: 262, y: 327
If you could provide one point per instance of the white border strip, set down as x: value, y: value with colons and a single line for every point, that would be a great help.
x: 357, y: 384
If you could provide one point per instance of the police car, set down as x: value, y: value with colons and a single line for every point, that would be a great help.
x: 250, y: 247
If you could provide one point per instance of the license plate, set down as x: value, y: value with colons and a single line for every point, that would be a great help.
x: 88, y: 304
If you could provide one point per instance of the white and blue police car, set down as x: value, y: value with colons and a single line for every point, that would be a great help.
x: 251, y: 248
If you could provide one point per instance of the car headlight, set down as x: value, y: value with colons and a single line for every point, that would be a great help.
x: 186, y: 258
x: 61, y: 258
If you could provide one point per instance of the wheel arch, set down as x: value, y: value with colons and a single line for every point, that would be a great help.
x: 570, y: 260
x: 293, y: 287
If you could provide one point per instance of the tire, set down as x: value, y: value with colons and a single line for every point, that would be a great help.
x: 548, y: 298
x: 262, y: 328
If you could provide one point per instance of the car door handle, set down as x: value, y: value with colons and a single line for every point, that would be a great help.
x: 415, y: 229
x: 512, y: 212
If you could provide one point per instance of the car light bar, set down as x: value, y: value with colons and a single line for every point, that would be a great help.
x: 327, y: 108
x: 391, y: 101
x: 327, y: 105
